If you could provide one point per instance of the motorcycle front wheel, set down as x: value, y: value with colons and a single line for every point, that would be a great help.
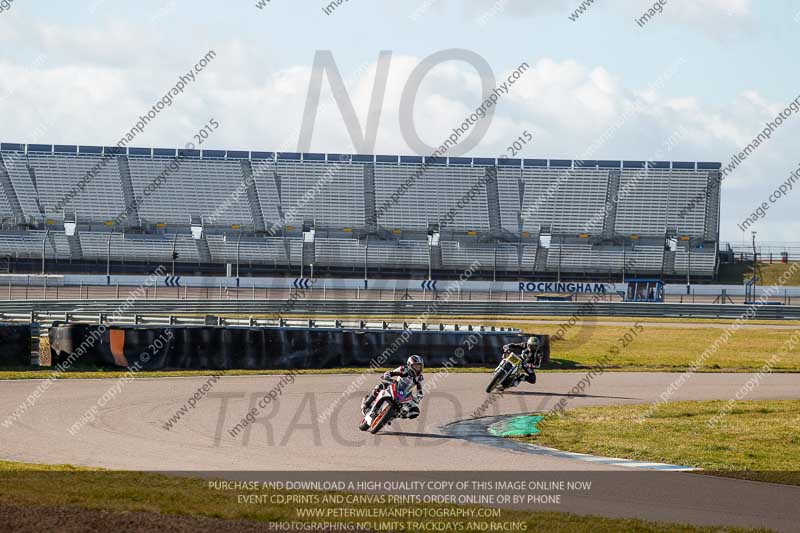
x: 386, y: 413
x: 499, y: 376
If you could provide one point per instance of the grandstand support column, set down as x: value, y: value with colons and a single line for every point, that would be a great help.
x: 370, y: 208
x: 128, y: 195
x: 252, y: 196
x: 612, y: 198
x: 493, y: 201
x: 11, y: 194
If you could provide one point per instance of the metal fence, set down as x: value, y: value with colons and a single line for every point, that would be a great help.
x: 364, y: 308
x: 767, y: 251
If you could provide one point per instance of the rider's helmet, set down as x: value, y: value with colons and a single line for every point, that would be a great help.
x: 415, y: 365
x: 533, y: 343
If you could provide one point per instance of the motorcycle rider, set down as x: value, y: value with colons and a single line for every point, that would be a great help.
x: 412, y: 369
x: 530, y: 352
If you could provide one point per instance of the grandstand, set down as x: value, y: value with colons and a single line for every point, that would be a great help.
x: 87, y: 206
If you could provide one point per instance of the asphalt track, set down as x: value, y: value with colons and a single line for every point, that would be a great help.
x: 293, y: 433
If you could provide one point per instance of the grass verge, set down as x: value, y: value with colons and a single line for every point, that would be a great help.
x: 590, y: 340
x: 768, y: 274
x: 756, y: 440
x: 124, y: 492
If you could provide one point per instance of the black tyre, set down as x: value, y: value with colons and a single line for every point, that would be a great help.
x: 499, y: 376
x: 386, y: 413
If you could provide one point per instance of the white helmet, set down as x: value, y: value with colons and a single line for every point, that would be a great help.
x: 533, y: 343
x: 415, y: 365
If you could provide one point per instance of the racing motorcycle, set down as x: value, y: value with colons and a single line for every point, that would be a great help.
x: 506, y: 372
x: 394, y: 401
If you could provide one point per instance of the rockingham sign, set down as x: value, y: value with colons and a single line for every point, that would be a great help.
x: 572, y: 288
x: 308, y: 284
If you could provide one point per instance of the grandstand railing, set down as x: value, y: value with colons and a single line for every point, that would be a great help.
x: 765, y: 250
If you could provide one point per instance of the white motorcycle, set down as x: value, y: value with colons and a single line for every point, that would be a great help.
x: 394, y: 401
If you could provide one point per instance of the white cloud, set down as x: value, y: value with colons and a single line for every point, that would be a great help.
x: 716, y: 17
x: 85, y: 96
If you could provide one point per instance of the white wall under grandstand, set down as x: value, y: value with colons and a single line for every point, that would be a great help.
x: 529, y: 286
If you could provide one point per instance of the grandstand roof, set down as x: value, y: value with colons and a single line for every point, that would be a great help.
x: 354, y: 158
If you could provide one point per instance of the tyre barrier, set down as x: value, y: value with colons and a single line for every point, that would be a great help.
x: 268, y: 348
x: 15, y: 345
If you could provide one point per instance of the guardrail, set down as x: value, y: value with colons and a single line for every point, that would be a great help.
x: 277, y: 309
x: 46, y: 319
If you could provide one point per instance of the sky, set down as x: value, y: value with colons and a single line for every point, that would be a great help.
x: 696, y: 82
